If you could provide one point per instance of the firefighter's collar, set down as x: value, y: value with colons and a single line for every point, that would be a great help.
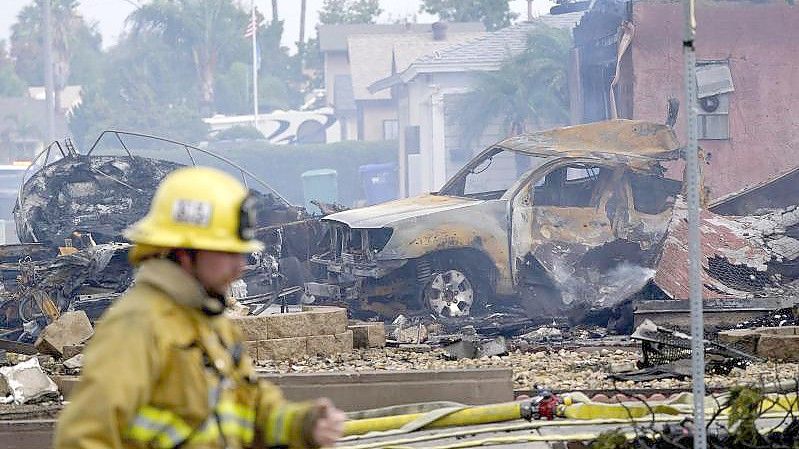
x: 168, y: 277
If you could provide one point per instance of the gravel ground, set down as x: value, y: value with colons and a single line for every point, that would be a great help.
x: 557, y: 370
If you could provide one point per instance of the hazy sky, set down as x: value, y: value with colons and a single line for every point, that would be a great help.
x: 110, y: 14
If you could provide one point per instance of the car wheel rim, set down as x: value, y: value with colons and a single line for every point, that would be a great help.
x: 450, y: 294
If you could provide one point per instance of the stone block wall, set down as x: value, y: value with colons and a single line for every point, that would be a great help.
x: 316, y: 331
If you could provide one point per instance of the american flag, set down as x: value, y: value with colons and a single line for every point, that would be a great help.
x: 253, y: 24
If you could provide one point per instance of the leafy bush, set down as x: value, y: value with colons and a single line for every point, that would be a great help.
x: 239, y: 132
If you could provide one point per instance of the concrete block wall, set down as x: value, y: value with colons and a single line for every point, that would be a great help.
x: 316, y: 331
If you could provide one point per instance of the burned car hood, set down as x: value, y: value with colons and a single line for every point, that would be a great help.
x: 386, y: 214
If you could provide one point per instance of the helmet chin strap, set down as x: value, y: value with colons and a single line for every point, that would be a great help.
x: 214, y: 303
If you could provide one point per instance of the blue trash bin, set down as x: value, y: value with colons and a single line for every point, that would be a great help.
x: 379, y: 182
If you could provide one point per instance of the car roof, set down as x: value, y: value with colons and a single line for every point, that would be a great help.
x: 627, y: 141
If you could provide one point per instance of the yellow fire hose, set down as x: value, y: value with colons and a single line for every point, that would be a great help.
x: 482, y: 414
x: 472, y: 432
x: 495, y: 413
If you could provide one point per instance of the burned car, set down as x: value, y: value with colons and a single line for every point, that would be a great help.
x: 555, y: 219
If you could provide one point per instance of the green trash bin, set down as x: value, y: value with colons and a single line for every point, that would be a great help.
x: 319, y: 185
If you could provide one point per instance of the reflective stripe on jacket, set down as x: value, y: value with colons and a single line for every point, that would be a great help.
x: 159, y: 373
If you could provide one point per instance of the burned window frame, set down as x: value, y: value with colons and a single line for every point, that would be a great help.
x: 456, y: 186
x: 664, y: 203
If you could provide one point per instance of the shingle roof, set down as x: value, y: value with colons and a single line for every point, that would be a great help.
x: 334, y: 37
x: 492, y: 49
x: 371, y: 56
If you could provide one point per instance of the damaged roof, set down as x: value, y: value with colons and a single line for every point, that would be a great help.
x: 632, y: 139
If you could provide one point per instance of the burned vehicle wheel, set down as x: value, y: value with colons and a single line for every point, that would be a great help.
x: 450, y: 294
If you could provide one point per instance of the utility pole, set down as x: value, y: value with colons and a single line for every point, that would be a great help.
x: 302, y: 23
x: 529, y: 10
x: 693, y: 185
x: 49, y: 94
x: 254, y: 25
x: 274, y: 11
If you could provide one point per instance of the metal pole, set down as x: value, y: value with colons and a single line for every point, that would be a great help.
x: 49, y: 84
x: 302, y: 22
x: 693, y: 185
x: 254, y: 65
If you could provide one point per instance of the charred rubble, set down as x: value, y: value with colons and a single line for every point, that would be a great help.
x: 70, y: 217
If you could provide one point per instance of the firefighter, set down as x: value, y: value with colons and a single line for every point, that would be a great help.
x: 166, y: 368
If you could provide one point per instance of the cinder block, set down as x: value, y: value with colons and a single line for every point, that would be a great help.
x: 71, y: 329
x: 784, y: 330
x: 288, y: 325
x: 254, y: 328
x: 252, y: 349
x: 368, y: 335
x: 743, y: 339
x: 324, y: 345
x: 327, y: 345
x: 344, y: 341
x: 282, y: 348
x: 327, y: 320
x: 779, y: 347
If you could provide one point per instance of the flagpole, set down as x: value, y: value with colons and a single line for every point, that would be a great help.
x: 254, y: 66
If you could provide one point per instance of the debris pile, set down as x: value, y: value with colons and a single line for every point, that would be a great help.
x: 71, y: 215
x: 26, y: 383
x: 574, y: 369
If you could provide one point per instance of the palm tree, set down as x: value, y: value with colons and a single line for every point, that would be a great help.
x: 203, y: 28
x: 529, y: 91
x: 26, y: 41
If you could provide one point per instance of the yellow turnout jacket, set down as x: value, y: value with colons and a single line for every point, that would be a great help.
x: 160, y: 373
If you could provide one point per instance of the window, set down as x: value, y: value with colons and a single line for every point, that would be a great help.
x: 576, y: 185
x: 390, y: 129
x: 653, y: 194
x: 495, y: 174
x: 713, y: 90
x: 489, y: 176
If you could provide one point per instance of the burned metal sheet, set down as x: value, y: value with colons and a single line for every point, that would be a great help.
x: 100, y: 194
x: 741, y: 256
x: 781, y: 192
x: 103, y: 195
x: 638, y: 143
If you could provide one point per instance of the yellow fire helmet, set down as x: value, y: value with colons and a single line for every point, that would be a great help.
x: 196, y: 208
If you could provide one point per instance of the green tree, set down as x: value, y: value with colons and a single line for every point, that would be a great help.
x: 152, y: 94
x: 10, y: 84
x: 529, y: 91
x: 209, y: 31
x: 349, y: 11
x: 74, y: 43
x: 281, y: 80
x: 234, y: 89
x: 494, y: 14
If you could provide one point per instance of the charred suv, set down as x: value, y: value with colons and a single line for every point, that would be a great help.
x: 575, y: 215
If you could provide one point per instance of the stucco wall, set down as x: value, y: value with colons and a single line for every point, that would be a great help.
x: 374, y: 112
x: 336, y: 63
x: 761, y: 43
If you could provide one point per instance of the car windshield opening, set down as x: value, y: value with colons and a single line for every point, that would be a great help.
x: 490, y: 176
